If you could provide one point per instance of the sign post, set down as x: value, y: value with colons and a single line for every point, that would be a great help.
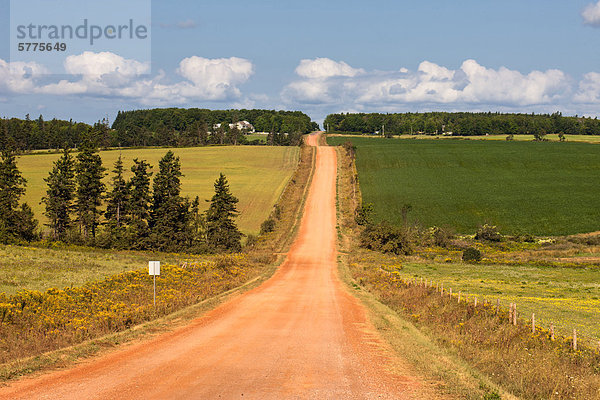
x: 154, y: 270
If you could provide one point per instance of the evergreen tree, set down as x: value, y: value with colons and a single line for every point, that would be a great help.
x: 89, y: 174
x: 116, y: 204
x: 222, y: 233
x: 60, y: 195
x: 170, y: 212
x: 15, y: 223
x: 197, y: 226
x: 138, y: 205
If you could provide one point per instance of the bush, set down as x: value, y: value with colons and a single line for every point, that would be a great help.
x: 364, y: 214
x: 471, y: 254
x: 489, y: 233
x: 440, y: 236
x: 350, y: 149
x: 385, y: 238
x: 267, y: 226
x: 251, y: 240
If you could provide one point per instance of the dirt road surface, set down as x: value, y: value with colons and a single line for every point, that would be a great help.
x: 298, y: 336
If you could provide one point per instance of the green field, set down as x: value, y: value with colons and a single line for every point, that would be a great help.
x: 257, y: 175
x: 522, y: 187
x: 566, y: 297
x: 41, y: 268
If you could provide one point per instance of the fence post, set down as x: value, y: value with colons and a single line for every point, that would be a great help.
x: 552, y: 332
x: 459, y: 293
x: 497, y: 306
x: 574, y: 339
x: 475, y: 302
x: 515, y: 315
x: 533, y: 323
x: 450, y: 292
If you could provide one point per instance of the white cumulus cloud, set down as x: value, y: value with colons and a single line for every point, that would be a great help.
x: 591, y: 14
x: 215, y: 78
x: 431, y: 83
x: 19, y: 77
x: 109, y: 75
x: 325, y: 68
x: 589, y: 89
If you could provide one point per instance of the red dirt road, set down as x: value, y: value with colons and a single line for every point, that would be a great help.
x: 299, y: 335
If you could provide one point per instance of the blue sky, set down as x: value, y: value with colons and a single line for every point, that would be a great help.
x: 322, y: 57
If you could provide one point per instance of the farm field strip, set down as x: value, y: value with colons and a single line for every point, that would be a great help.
x: 522, y: 187
x: 517, y: 138
x: 257, y: 175
x: 40, y: 269
x: 566, y: 297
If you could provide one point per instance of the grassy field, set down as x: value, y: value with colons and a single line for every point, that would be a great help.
x: 566, y: 297
x: 255, y: 136
x: 257, y: 175
x: 522, y: 187
x: 517, y: 138
x: 41, y: 268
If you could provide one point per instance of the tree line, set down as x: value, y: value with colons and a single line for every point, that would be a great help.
x: 462, y: 124
x: 194, y: 126
x: 159, y: 127
x: 139, y: 213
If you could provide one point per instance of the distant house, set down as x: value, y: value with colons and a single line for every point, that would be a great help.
x: 243, y: 126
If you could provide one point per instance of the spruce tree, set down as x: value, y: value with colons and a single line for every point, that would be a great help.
x: 60, y: 195
x: 116, y: 205
x: 222, y: 233
x: 170, y: 212
x: 139, y: 204
x: 89, y: 174
x: 16, y: 223
x: 197, y: 226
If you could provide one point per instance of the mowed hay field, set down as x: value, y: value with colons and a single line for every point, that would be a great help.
x: 257, y: 175
x: 44, y: 268
x: 566, y: 297
x: 522, y: 187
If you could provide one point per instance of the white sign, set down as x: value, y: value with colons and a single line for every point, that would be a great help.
x: 154, y: 268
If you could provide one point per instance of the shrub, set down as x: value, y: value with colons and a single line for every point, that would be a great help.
x: 251, y: 240
x: 489, y: 233
x: 350, y: 148
x: 267, y: 226
x: 385, y: 238
x: 440, y: 236
x: 364, y: 214
x: 277, y: 212
x: 471, y: 254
